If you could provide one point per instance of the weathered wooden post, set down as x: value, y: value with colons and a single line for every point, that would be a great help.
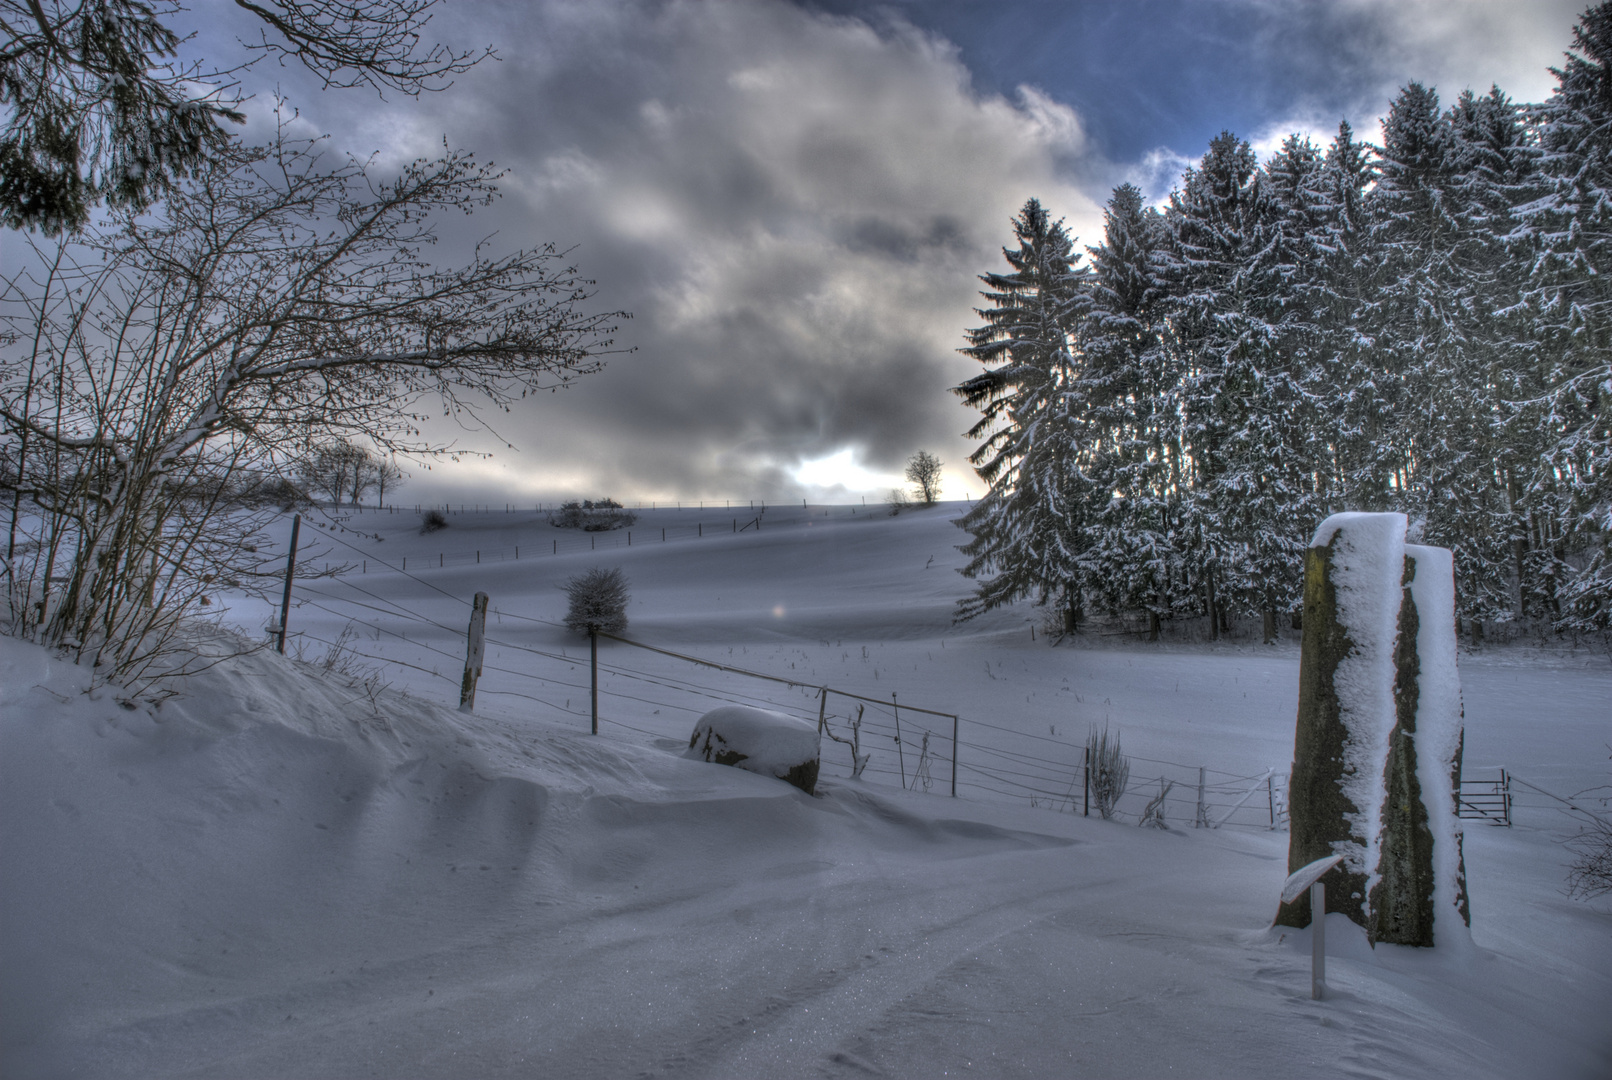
x: 900, y: 754
x: 475, y: 649
x: 1085, y: 783
x: 290, y: 569
x: 954, y: 757
x: 1377, y: 740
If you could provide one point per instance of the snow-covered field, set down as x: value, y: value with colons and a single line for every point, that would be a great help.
x: 290, y: 872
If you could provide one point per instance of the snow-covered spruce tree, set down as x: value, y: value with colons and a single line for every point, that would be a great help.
x: 1270, y: 494
x: 1480, y: 504
x: 1221, y: 347
x: 275, y: 301
x: 1438, y: 280
x: 598, y: 601
x: 1028, y: 529
x: 1569, y: 304
x: 1127, y: 381
x: 1354, y: 398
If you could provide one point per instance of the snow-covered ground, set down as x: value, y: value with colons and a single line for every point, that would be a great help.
x: 290, y: 872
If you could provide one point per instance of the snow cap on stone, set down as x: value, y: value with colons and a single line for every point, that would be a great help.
x: 1368, y: 559
x: 1439, y: 720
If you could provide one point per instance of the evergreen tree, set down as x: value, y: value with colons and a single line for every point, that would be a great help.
x: 1127, y: 384
x: 1569, y: 301
x: 1028, y: 528
x: 1213, y: 226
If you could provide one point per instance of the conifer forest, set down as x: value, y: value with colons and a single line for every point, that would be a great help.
x: 1423, y: 326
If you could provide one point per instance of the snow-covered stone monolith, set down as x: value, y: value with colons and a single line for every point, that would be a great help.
x: 760, y: 741
x: 1377, y: 744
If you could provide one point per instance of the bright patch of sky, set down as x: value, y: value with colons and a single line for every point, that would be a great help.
x: 842, y: 470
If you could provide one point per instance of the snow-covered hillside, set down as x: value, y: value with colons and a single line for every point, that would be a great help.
x: 289, y: 872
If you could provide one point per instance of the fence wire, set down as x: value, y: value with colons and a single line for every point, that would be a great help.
x: 919, y: 749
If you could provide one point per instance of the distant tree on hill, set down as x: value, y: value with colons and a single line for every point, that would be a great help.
x: 923, y: 472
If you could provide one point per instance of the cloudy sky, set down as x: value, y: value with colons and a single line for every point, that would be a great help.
x: 793, y: 198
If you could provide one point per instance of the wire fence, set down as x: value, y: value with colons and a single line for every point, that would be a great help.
x: 742, y: 520
x: 658, y: 695
x: 655, y: 694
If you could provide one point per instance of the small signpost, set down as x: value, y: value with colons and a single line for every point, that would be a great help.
x: 1308, y: 877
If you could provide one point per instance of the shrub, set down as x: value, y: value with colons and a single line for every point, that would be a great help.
x: 1110, y: 771
x: 1591, y: 871
x: 598, y: 601
x: 592, y: 515
x: 432, y: 520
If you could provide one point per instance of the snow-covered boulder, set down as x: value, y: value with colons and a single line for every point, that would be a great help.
x: 760, y: 741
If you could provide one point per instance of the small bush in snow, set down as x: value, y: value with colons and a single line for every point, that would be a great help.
x: 897, y: 501
x: 432, y: 520
x: 1110, y: 771
x: 1591, y: 871
x: 598, y: 601
x: 592, y: 515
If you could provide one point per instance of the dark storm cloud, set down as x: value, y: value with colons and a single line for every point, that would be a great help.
x: 793, y: 206
x: 794, y: 200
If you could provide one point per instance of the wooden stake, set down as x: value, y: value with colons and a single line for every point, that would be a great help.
x: 593, y: 650
x: 475, y: 649
x: 954, y: 757
x: 900, y: 754
x: 290, y: 568
x: 1085, y: 783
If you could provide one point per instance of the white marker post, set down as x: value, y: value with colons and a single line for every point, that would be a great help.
x: 1308, y: 877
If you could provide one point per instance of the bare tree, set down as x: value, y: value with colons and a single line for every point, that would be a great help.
x: 101, y: 108
x: 385, y: 475
x: 336, y: 469
x: 923, y: 472
x: 274, y: 302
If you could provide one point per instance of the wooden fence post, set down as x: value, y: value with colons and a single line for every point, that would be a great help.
x: 900, y: 754
x: 822, y: 710
x: 1203, y: 811
x: 290, y: 568
x: 954, y: 757
x: 1085, y: 783
x: 593, y: 651
x: 475, y: 648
